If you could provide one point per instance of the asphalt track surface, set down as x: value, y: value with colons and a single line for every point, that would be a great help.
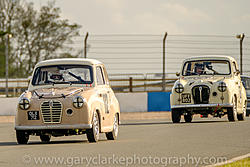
x: 140, y: 143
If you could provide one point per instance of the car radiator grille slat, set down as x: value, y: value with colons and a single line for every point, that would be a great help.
x: 201, y: 94
x: 51, y: 111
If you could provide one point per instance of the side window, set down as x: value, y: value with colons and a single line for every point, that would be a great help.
x: 106, y: 76
x: 99, y: 76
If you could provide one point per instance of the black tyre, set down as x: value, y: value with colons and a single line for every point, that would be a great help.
x: 45, y: 138
x: 232, y: 112
x: 242, y: 116
x: 22, y: 137
x: 188, y: 118
x: 176, y: 116
x: 113, y: 135
x: 93, y: 133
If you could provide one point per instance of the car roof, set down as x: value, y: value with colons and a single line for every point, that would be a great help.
x: 80, y: 61
x: 216, y: 57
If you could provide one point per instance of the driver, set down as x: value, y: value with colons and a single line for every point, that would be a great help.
x: 199, y: 69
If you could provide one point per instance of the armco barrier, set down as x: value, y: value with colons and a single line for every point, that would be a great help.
x: 129, y: 102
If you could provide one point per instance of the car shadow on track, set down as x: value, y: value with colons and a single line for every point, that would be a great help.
x: 44, y: 143
x: 206, y: 121
x: 145, y: 123
x: 181, y: 123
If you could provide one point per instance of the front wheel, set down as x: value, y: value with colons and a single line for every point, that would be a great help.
x: 232, y: 112
x: 45, y: 138
x: 22, y: 137
x: 93, y: 133
x: 176, y: 116
x: 242, y: 116
x: 113, y: 135
x: 188, y: 118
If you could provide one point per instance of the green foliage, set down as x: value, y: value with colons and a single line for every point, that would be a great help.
x: 2, y: 60
x: 37, y: 35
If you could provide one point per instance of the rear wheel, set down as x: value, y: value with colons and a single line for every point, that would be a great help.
x: 45, y: 138
x: 242, y: 116
x: 93, y: 133
x: 188, y: 118
x: 176, y: 115
x: 113, y: 135
x: 232, y: 112
x: 22, y: 137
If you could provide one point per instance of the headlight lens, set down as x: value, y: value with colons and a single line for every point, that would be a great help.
x: 179, y: 88
x: 78, y: 102
x: 222, y: 87
x: 24, y: 104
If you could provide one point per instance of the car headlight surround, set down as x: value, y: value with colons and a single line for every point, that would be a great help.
x: 78, y: 102
x: 24, y: 103
x: 222, y: 87
x: 179, y: 88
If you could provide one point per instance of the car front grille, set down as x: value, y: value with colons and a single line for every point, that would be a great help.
x: 51, y: 111
x: 201, y: 94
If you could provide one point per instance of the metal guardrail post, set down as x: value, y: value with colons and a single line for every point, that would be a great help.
x: 241, y: 54
x: 164, y: 63
x: 85, y: 45
x: 6, y: 65
x: 130, y: 84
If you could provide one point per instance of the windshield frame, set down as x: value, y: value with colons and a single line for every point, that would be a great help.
x: 203, y: 60
x: 35, y: 74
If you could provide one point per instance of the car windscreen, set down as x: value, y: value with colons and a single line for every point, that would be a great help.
x: 246, y: 82
x: 63, y: 74
x: 206, y: 67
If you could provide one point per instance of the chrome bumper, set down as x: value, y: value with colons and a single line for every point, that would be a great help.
x: 201, y: 105
x: 51, y: 127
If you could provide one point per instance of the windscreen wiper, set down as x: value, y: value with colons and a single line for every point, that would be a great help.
x: 77, y: 77
x: 39, y: 96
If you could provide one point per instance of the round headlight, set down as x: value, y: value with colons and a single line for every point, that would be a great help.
x: 222, y: 87
x: 24, y: 104
x: 78, y: 102
x: 179, y: 88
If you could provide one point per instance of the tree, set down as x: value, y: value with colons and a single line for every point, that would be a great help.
x: 37, y: 35
x: 7, y: 15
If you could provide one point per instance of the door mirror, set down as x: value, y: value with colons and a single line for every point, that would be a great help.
x: 177, y: 74
x: 237, y: 72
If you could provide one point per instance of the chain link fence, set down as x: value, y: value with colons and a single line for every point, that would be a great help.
x: 135, y: 61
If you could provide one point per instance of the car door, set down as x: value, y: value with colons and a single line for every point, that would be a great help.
x: 103, y: 94
x: 238, y: 84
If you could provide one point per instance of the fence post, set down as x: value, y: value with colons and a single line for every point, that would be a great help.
x: 6, y: 65
x: 14, y: 91
x: 85, y: 45
x: 164, y: 63
x: 130, y: 84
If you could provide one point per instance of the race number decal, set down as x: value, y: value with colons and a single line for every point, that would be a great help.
x: 33, y: 115
x: 106, y: 102
x: 186, y: 98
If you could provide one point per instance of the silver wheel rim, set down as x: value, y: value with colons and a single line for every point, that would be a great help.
x: 115, y: 126
x: 96, y: 126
